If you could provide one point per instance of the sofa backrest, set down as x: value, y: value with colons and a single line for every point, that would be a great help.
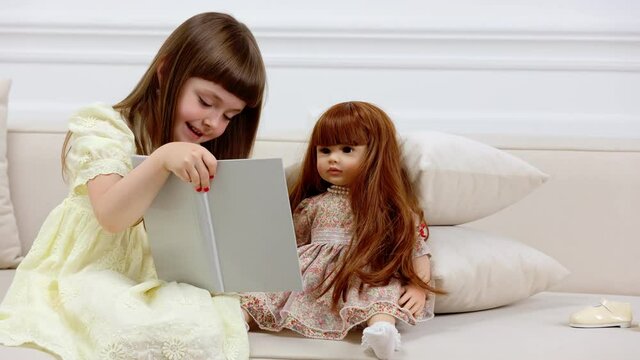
x: 585, y: 216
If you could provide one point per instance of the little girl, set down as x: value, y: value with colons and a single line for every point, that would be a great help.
x: 88, y: 289
x: 361, y: 237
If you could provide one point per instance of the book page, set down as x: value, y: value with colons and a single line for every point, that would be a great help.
x: 253, y: 227
x: 180, y: 235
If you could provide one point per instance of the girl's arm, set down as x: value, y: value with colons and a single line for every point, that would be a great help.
x: 119, y: 202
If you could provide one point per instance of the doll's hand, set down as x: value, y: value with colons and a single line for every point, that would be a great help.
x: 413, y: 298
x: 190, y: 162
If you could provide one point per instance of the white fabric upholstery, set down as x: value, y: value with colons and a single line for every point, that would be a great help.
x: 10, y: 249
x: 586, y: 216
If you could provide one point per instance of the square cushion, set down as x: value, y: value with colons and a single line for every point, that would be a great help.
x: 459, y: 180
x: 481, y: 271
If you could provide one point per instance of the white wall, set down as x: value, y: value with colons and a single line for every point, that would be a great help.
x: 531, y: 67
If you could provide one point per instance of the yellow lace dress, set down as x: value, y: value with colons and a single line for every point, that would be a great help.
x: 84, y: 293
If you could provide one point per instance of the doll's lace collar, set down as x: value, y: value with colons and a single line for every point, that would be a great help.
x: 338, y: 189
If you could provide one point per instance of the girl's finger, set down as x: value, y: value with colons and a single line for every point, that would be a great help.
x: 193, y: 176
x: 183, y: 175
x: 203, y: 175
x: 211, y: 163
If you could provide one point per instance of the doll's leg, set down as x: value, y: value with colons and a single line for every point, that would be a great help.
x: 381, y: 335
x: 381, y: 317
x: 248, y: 320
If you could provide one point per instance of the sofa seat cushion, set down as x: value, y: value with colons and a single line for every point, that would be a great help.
x: 535, y: 328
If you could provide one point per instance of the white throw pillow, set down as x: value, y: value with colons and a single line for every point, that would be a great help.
x: 10, y: 249
x: 459, y: 180
x: 482, y: 271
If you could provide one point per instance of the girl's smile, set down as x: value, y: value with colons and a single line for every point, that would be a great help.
x: 195, y: 133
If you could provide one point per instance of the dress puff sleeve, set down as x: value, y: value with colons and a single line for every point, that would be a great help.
x: 421, y: 247
x: 101, y: 143
x: 303, y: 220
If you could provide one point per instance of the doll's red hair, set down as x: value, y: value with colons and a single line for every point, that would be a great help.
x: 385, y: 208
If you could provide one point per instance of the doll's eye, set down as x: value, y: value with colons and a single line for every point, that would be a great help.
x: 347, y: 149
x: 324, y: 150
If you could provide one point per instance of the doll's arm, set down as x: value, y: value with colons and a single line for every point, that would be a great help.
x: 414, y: 298
x: 302, y: 220
x: 119, y: 202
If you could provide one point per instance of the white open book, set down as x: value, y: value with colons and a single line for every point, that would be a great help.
x: 237, y: 237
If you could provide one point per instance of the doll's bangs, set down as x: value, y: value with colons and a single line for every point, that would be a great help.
x: 339, y: 125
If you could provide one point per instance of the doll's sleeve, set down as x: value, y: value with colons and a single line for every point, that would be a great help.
x: 302, y: 221
x: 101, y: 143
x: 421, y: 247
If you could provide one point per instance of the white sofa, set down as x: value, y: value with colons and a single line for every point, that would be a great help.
x: 585, y: 217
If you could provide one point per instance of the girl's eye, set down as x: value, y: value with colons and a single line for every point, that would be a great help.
x: 324, y: 150
x: 347, y: 149
x: 229, y: 118
x: 202, y: 102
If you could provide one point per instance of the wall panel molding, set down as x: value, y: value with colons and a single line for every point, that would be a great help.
x: 334, y: 48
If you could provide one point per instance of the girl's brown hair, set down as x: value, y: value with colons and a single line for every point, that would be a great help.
x: 211, y: 46
x: 386, y: 210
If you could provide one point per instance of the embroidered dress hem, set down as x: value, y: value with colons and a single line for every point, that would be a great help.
x: 352, y: 317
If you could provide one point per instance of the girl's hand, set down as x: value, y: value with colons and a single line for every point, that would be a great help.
x: 190, y: 162
x: 413, y: 298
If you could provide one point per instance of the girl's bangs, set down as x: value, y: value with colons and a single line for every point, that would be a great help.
x: 339, y: 126
x: 242, y: 80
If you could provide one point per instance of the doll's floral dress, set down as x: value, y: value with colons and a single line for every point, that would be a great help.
x: 83, y: 293
x: 323, y: 226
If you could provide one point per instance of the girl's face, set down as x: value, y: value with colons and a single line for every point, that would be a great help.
x: 339, y: 164
x: 204, y: 110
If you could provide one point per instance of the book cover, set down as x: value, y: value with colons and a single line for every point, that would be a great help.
x: 237, y: 237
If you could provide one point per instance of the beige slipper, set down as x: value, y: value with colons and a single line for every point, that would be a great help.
x: 606, y: 314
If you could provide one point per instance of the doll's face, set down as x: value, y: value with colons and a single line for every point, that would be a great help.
x: 204, y: 111
x: 339, y: 164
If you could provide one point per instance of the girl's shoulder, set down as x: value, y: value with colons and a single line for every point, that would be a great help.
x: 98, y: 117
